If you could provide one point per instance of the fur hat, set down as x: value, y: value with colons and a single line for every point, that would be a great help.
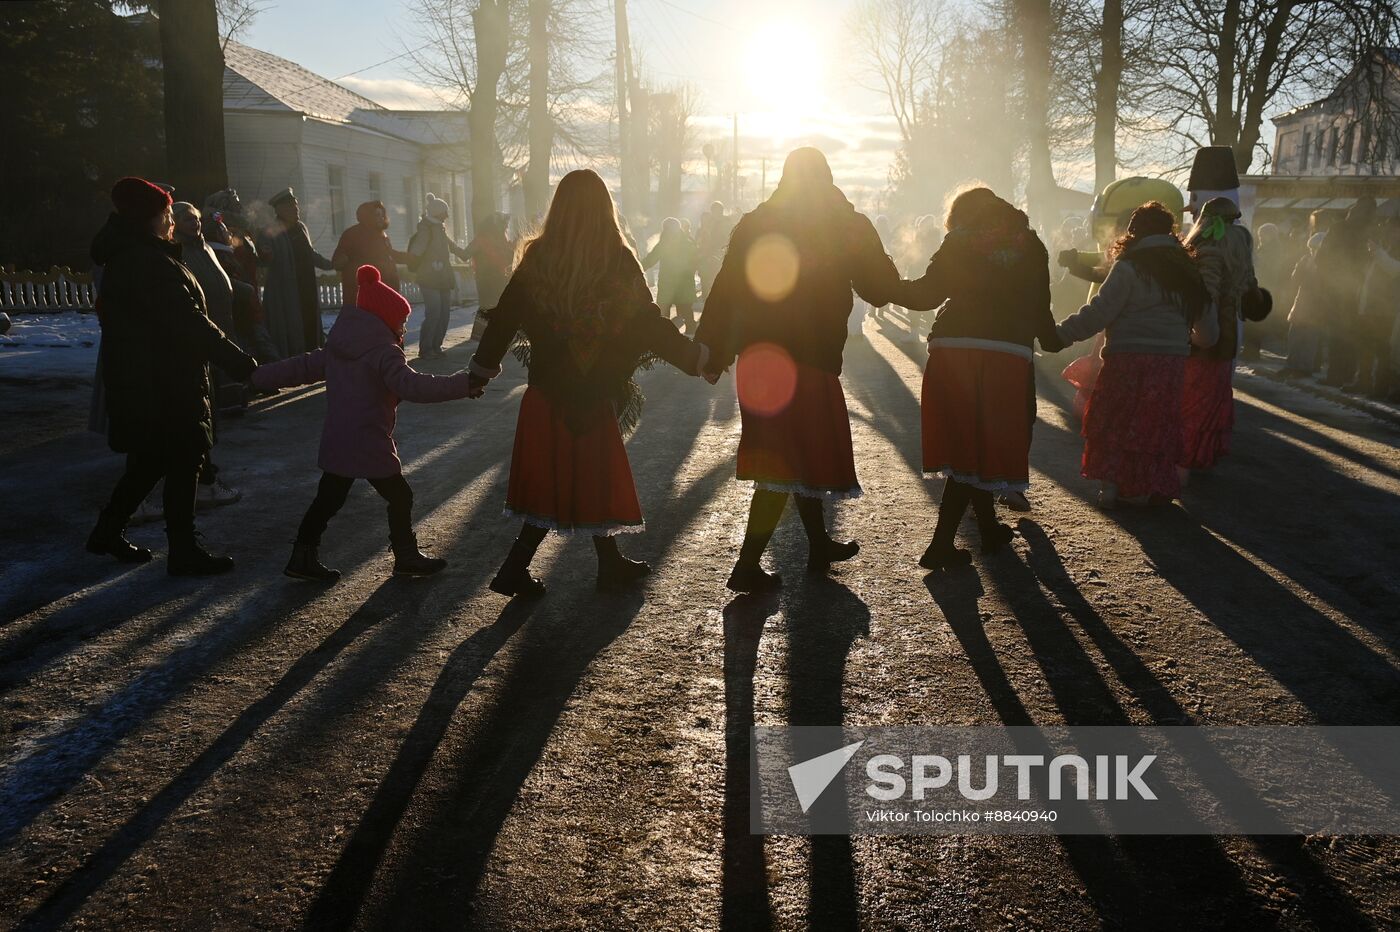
x: 138, y: 200
x: 435, y: 207
x: 1214, y: 170
x: 381, y: 300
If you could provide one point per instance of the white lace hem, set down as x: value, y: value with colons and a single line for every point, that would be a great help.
x: 807, y: 491
x: 977, y: 482
x: 592, y: 530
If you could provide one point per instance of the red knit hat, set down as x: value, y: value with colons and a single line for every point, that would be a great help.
x: 138, y: 200
x: 381, y: 300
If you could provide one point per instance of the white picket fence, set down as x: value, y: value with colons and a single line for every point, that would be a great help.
x: 62, y: 289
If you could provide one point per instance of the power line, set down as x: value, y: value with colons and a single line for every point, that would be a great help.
x: 700, y: 16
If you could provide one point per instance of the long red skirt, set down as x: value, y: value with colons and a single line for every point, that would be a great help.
x: 796, y: 431
x: 976, y: 419
x: 1132, y: 426
x: 569, y: 481
x: 1207, y: 411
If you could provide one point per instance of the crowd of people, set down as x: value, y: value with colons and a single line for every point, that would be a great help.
x: 1167, y: 310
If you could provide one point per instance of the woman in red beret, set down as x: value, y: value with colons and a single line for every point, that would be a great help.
x: 157, y: 345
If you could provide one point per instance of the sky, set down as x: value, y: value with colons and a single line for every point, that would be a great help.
x: 777, y: 64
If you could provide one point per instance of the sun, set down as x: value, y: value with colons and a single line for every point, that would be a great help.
x: 785, y: 68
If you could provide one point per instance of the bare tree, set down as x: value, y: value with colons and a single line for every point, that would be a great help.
x: 899, y: 46
x: 1223, y: 64
x: 236, y: 17
x: 673, y: 135
x: 541, y: 130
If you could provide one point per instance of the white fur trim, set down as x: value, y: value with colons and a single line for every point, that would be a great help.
x: 995, y: 346
x: 480, y: 371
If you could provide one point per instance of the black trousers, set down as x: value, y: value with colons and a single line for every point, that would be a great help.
x: 330, y: 498
x: 145, y: 467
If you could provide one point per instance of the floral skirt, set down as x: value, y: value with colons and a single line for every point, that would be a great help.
x: 796, y: 432
x: 1207, y: 411
x: 1132, y: 426
x: 571, y: 481
x: 976, y: 422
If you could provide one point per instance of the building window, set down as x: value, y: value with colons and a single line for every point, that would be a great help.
x: 335, y: 180
x: 1334, y: 145
x: 1348, y: 145
x: 376, y: 184
x: 1317, y: 150
x: 1303, y: 151
x: 411, y: 200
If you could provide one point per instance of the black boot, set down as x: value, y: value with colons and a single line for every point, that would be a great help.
x: 189, y: 558
x: 306, y: 564
x: 822, y: 551
x: 941, y: 554
x: 410, y: 561
x: 995, y: 535
x: 109, y: 537
x: 614, y: 570
x: 765, y: 511
x: 513, y: 578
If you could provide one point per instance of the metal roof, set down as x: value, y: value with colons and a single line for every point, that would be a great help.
x: 255, y: 80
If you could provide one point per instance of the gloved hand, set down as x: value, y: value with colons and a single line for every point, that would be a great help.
x: 476, y: 385
x: 1068, y: 258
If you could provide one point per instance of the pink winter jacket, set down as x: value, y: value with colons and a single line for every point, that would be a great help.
x: 366, y: 375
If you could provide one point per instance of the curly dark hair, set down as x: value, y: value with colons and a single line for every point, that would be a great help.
x: 1171, y: 267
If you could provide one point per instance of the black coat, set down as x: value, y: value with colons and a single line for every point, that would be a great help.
x: 837, y: 250
x: 157, y: 343
x: 578, y: 365
x: 987, y: 286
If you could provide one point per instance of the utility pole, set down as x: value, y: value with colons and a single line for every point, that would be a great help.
x: 763, y: 183
x: 624, y: 128
x: 734, y: 177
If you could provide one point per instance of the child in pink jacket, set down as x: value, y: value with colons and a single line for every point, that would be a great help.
x: 366, y: 375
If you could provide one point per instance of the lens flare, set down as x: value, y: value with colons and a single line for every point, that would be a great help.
x: 766, y: 379
x: 772, y: 266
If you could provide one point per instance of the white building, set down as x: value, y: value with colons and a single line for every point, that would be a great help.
x: 1354, y: 131
x: 287, y: 127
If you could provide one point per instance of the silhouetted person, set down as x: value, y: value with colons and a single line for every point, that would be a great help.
x: 780, y: 304
x: 675, y: 282
x: 290, y: 298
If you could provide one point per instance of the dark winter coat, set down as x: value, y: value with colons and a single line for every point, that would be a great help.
x: 366, y: 243
x: 366, y: 376
x: 574, y: 362
x: 675, y: 283
x: 991, y: 286
x: 157, y: 343
x: 430, y: 246
x: 837, y: 250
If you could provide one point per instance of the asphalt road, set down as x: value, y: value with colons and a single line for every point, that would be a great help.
x: 252, y: 752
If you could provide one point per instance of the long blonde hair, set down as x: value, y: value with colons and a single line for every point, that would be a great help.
x: 579, y: 253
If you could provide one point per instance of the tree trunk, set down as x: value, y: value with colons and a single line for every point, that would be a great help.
x: 541, y: 126
x: 1035, y: 22
x: 193, y: 73
x: 1106, y: 91
x: 490, y: 25
x: 623, y: 53
x: 1226, y: 128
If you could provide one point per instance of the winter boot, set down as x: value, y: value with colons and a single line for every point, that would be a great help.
x: 410, y: 561
x: 822, y: 551
x: 513, y: 578
x: 614, y: 570
x: 189, y: 558
x: 109, y: 537
x: 941, y: 556
x: 752, y: 578
x: 306, y: 564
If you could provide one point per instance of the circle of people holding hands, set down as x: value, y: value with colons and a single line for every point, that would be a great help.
x: 577, y: 310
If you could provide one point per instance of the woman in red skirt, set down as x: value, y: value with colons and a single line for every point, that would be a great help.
x: 1151, y: 310
x: 580, y: 298
x: 779, y: 304
x: 1225, y: 255
x: 991, y: 278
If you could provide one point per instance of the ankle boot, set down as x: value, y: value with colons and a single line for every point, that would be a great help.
x: 306, y: 564
x: 513, y: 578
x: 109, y: 537
x: 995, y: 537
x: 944, y: 556
x: 822, y: 553
x: 410, y: 561
x: 189, y: 558
x: 614, y: 570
